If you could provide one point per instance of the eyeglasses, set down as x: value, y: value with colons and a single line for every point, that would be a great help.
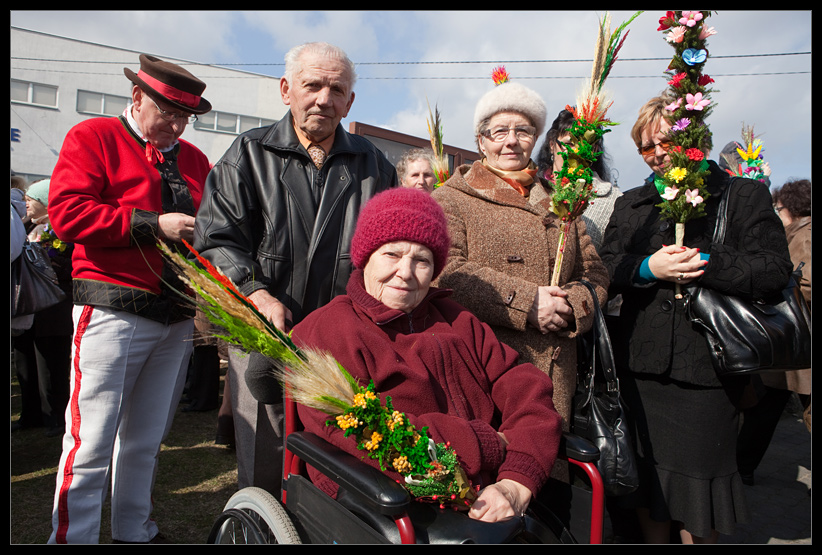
x: 169, y: 116
x: 778, y: 208
x: 499, y: 134
x: 650, y: 150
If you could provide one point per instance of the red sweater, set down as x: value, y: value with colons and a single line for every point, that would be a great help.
x: 446, y: 370
x: 102, y: 184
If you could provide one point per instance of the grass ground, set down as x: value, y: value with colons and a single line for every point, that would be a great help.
x: 195, y: 479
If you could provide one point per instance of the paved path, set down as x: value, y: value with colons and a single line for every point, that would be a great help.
x: 779, y: 502
x: 780, y: 499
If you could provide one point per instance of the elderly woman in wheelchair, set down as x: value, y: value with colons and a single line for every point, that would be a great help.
x: 436, y: 361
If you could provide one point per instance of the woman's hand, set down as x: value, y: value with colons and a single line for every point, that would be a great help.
x: 551, y: 310
x: 677, y: 264
x: 498, y: 501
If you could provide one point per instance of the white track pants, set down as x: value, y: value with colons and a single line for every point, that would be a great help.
x: 128, y: 374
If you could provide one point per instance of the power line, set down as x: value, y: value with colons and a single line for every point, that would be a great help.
x: 417, y: 78
x: 441, y: 62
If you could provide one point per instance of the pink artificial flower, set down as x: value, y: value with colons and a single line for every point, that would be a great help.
x: 675, y: 35
x: 673, y: 106
x: 667, y: 20
x: 670, y: 193
x: 693, y: 197
x: 690, y: 18
x: 695, y: 101
x: 706, y: 32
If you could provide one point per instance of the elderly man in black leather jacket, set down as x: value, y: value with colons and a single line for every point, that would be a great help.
x: 278, y: 221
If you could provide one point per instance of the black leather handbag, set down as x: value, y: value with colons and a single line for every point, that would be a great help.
x: 34, y: 284
x: 750, y: 337
x: 599, y: 414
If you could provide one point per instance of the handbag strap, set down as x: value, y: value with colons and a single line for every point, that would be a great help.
x: 722, y: 214
x: 602, y: 344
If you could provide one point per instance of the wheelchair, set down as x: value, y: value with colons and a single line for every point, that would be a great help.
x: 372, y: 508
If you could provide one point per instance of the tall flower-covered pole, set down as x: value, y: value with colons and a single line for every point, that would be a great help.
x: 573, y: 187
x: 683, y: 187
x: 440, y: 163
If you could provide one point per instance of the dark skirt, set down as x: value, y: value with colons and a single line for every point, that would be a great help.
x: 686, y: 442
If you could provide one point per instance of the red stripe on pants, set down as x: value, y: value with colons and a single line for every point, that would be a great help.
x: 68, y: 473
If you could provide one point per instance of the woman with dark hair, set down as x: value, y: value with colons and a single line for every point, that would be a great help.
x: 549, y: 161
x: 792, y: 203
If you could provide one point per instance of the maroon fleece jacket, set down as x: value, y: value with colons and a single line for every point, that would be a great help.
x: 444, y: 369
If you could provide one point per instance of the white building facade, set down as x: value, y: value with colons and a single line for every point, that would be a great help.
x: 58, y: 82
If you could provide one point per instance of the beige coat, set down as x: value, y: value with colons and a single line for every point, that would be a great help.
x: 799, y: 245
x: 503, y: 247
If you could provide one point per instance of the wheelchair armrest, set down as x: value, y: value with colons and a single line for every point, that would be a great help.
x: 578, y: 448
x: 358, y: 478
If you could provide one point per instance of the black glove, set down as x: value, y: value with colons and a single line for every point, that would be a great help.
x: 261, y: 381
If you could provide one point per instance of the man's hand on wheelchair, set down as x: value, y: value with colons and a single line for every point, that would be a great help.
x: 502, y: 500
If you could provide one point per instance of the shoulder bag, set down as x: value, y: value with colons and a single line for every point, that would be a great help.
x: 752, y: 336
x: 34, y: 284
x: 599, y: 414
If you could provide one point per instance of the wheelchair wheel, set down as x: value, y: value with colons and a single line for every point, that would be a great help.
x: 253, y: 516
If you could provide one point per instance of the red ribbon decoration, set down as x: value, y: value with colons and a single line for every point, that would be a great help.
x: 153, y: 155
x: 169, y: 92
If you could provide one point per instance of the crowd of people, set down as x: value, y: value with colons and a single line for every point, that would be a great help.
x: 436, y: 292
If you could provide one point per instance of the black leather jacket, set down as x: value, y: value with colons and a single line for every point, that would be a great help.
x: 260, y: 224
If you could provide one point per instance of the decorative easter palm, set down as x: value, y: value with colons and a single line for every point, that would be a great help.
x: 440, y: 162
x: 683, y: 187
x: 573, y: 187
x: 753, y: 163
x: 431, y: 471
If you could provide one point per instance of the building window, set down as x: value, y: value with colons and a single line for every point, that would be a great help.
x: 33, y: 93
x: 101, y: 104
x: 223, y: 122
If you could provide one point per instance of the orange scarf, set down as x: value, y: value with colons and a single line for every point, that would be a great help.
x: 520, y: 180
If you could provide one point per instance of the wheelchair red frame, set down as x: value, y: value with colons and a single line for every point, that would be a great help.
x: 577, y: 451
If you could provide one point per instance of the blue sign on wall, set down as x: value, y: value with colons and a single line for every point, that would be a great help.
x: 15, y: 135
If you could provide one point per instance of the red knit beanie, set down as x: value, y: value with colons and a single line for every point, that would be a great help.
x: 401, y: 214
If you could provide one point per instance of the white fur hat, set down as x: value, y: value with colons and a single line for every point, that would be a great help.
x: 511, y: 97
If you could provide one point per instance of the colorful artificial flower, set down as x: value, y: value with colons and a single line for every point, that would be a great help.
x: 674, y: 106
x: 690, y: 18
x: 499, y: 75
x: 704, y: 80
x: 676, y: 35
x: 667, y: 21
x: 676, y: 174
x: 706, y: 32
x: 693, y: 56
x: 681, y: 124
x: 693, y: 196
x: 677, y: 79
x: 670, y: 193
x: 694, y: 154
x: 695, y: 101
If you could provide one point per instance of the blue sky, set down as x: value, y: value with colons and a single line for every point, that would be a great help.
x: 408, y: 58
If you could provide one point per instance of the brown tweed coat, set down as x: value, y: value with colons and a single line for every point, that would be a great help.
x: 503, y: 247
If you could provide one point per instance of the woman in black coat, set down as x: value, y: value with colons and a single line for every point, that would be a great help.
x: 685, y: 418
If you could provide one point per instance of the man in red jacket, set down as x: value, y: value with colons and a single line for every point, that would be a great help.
x: 120, y: 185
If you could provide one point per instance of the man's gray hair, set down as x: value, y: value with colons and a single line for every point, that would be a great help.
x: 293, y: 58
